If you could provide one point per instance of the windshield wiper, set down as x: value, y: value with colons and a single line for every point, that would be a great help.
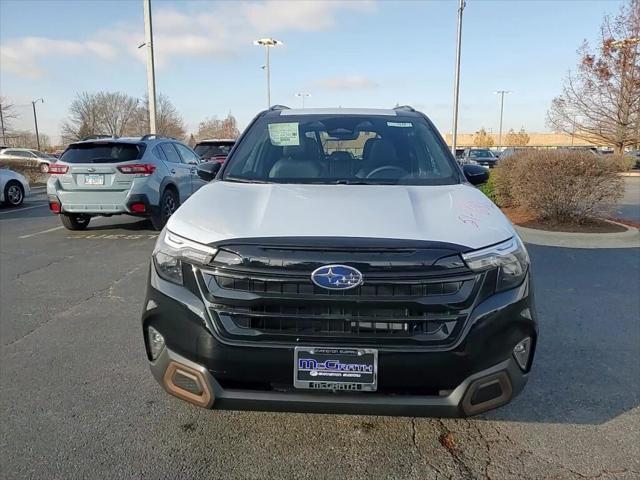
x: 360, y: 182
x: 243, y: 180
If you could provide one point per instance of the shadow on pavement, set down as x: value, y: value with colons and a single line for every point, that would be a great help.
x: 136, y: 225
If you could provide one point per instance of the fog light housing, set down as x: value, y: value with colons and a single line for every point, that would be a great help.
x: 156, y: 342
x: 521, y: 353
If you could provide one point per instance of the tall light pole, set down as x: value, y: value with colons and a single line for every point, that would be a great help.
x: 4, y: 138
x: 303, y: 95
x: 35, y: 118
x: 151, y: 71
x: 456, y: 82
x: 267, y: 43
x: 502, y: 93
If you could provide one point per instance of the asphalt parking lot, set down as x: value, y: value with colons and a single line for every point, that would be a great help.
x: 78, y: 400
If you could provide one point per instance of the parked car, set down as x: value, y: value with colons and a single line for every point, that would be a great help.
x: 24, y: 155
x: 214, y: 150
x: 507, y: 152
x: 379, y: 283
x: 479, y: 156
x: 13, y: 187
x: 146, y: 177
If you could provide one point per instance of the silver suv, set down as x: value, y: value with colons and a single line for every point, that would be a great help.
x: 146, y: 177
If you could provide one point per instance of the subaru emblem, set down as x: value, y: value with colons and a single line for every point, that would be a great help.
x: 336, y: 277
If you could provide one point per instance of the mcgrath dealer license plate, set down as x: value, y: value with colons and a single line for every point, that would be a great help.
x: 96, y: 179
x: 324, y: 368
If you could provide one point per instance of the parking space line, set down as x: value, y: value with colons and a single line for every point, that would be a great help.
x: 43, y: 231
x: 23, y: 209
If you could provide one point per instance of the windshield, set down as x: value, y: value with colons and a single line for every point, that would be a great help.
x: 208, y: 150
x: 480, y: 154
x: 353, y: 149
x: 103, y: 152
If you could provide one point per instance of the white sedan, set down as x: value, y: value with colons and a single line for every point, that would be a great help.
x: 13, y: 188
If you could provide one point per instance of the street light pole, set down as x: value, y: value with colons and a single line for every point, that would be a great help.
x: 456, y: 87
x: 35, y: 119
x: 502, y: 93
x: 151, y: 71
x: 4, y: 138
x: 303, y: 95
x: 267, y: 43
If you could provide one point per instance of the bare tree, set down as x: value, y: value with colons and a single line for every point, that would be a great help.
x: 517, y: 139
x: 482, y: 139
x: 214, y: 128
x: 7, y: 114
x: 601, y: 100
x: 84, y: 118
x: 169, y: 122
x: 117, y: 112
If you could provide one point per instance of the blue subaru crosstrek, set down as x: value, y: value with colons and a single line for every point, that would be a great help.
x: 146, y: 177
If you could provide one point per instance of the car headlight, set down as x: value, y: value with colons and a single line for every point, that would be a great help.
x: 171, y: 250
x: 510, y: 257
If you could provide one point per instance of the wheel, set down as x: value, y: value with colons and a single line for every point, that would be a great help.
x: 13, y: 194
x: 44, y: 167
x: 169, y: 203
x: 75, y: 221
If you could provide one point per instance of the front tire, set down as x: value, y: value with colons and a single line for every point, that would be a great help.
x: 13, y: 194
x: 75, y: 221
x: 169, y: 203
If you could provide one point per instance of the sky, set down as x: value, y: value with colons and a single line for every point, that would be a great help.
x: 360, y: 53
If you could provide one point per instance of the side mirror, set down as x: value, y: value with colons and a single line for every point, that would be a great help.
x: 475, y: 174
x: 207, y: 171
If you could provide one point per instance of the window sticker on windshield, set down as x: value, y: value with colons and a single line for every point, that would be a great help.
x: 400, y: 124
x: 284, y: 134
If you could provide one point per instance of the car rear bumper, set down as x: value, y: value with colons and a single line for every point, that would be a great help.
x: 98, y: 202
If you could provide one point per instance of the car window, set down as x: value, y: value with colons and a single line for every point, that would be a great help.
x: 187, y: 155
x: 208, y: 150
x: 102, y: 152
x: 480, y: 154
x: 170, y: 153
x: 159, y: 154
x: 342, y: 148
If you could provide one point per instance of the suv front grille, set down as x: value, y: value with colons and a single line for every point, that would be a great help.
x: 380, y: 288
x: 399, y: 303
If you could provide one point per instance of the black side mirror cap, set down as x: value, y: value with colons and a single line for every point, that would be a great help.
x: 475, y: 174
x: 207, y: 171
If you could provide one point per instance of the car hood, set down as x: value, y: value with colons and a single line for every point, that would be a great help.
x: 457, y: 214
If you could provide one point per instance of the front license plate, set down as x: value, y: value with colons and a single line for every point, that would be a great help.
x: 324, y: 368
x: 94, y: 179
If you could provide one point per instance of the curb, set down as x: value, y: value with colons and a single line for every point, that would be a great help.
x: 629, y: 174
x: 628, y: 239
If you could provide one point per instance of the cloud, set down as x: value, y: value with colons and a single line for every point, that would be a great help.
x: 306, y: 15
x: 348, y: 82
x: 200, y: 30
x: 21, y: 56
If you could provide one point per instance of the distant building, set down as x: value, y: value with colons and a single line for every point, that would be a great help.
x: 539, y: 140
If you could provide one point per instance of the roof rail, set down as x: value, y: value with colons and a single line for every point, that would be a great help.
x: 279, y: 107
x: 97, y: 137
x: 148, y: 136
x: 404, y: 108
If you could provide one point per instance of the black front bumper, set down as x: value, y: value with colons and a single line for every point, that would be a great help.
x: 411, y: 381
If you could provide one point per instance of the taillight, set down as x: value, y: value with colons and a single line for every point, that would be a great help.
x: 138, y: 208
x: 143, y: 168
x: 55, y: 207
x: 58, y: 169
